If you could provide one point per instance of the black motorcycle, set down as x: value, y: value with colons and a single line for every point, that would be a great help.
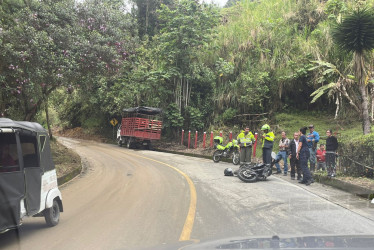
x: 252, y: 172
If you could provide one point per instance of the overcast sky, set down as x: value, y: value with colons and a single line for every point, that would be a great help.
x: 218, y: 2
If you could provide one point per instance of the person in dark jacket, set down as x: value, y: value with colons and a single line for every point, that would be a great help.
x: 312, y: 139
x: 294, y: 162
x: 331, y: 148
x: 302, y: 155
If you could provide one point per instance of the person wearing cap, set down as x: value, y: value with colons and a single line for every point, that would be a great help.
x: 312, y: 140
x: 267, y: 144
x: 282, y: 154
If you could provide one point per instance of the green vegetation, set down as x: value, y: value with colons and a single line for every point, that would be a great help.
x: 79, y: 65
x: 353, y: 146
x: 356, y: 34
x: 292, y: 122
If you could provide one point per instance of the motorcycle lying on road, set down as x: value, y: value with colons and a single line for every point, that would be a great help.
x: 252, y: 172
x: 228, y: 151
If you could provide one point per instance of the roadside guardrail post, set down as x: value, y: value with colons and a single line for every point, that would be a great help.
x: 254, y: 147
x: 196, y: 140
x: 182, y: 136
x: 189, y: 138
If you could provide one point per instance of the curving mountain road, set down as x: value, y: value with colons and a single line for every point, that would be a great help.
x: 128, y: 199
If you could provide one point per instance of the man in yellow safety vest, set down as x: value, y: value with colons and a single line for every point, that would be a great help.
x: 245, y: 140
x: 267, y: 144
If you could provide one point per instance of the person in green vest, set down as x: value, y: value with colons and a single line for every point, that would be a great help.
x: 267, y: 144
x: 245, y: 140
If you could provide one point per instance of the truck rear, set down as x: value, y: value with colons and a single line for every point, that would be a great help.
x: 139, y: 126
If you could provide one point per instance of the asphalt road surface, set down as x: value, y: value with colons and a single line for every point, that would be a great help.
x: 134, y: 199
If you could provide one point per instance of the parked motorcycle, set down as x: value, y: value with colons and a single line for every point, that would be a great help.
x: 228, y: 151
x: 252, y: 172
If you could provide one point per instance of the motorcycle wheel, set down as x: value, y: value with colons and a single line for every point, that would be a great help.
x: 216, y: 156
x: 247, y: 175
x: 236, y: 158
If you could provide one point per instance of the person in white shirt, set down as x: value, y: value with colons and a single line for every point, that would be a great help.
x: 294, y: 162
x: 283, y: 152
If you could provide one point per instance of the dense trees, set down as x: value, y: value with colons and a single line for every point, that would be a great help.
x: 186, y: 28
x: 147, y: 16
x: 50, y: 45
x: 201, y: 64
x: 356, y: 34
x: 353, y: 35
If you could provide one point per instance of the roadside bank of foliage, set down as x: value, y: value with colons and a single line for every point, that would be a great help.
x: 251, y: 58
x: 204, y: 66
x: 66, y: 161
x: 355, y: 150
x: 357, y: 156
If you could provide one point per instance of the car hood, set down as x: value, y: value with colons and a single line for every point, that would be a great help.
x: 285, y: 242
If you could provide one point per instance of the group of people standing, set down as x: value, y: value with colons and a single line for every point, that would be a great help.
x: 300, y: 150
x: 246, y: 139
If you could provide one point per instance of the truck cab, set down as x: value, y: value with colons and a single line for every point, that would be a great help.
x: 28, y: 180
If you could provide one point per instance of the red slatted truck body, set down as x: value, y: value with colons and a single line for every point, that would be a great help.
x: 139, y: 126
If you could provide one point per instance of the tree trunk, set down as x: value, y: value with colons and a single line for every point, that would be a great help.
x: 47, y: 117
x: 30, y: 113
x: 186, y: 103
x: 180, y: 95
x: 146, y: 18
x: 176, y: 84
x: 2, y: 104
x: 337, y: 102
x: 351, y: 102
x: 189, y: 94
x: 372, y: 103
x: 359, y: 67
x: 365, y: 111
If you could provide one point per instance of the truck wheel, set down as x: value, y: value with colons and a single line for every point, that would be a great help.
x: 148, y: 146
x: 119, y: 141
x: 52, y: 215
x: 129, y: 143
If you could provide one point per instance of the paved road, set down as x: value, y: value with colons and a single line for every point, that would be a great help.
x: 128, y: 199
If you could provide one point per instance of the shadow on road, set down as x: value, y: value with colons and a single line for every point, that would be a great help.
x: 15, y: 236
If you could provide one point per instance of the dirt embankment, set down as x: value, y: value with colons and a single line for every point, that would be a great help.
x: 80, y: 133
x: 67, y: 162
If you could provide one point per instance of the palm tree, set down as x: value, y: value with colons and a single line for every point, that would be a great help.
x: 356, y: 34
